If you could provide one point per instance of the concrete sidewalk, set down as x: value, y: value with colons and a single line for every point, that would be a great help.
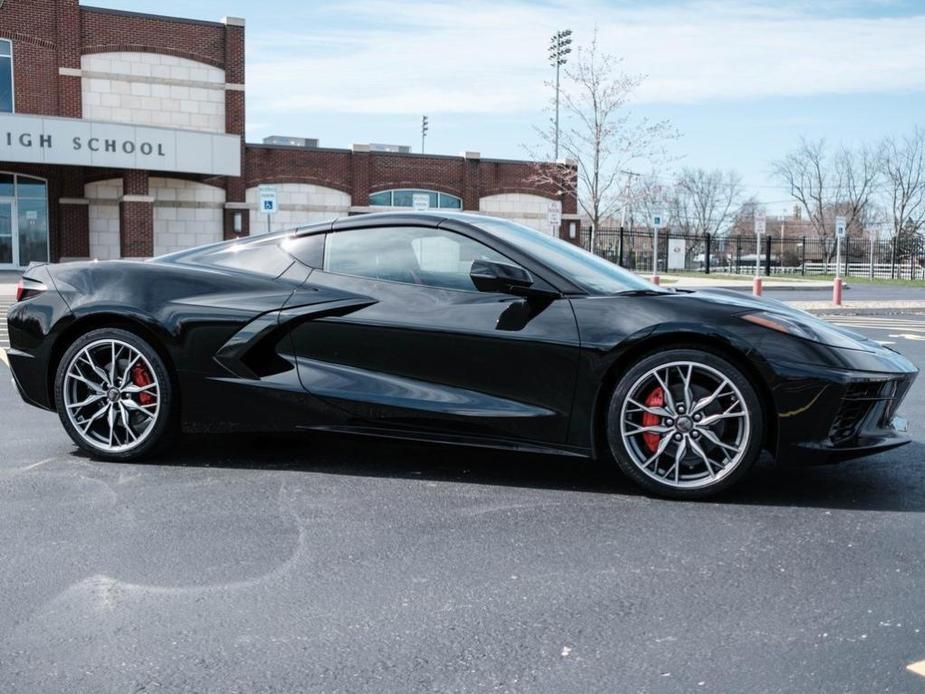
x: 860, y: 307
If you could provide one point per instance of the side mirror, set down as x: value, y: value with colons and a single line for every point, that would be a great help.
x: 489, y: 276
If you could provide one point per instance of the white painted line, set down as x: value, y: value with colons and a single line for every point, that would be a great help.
x: 5, y: 359
x: 918, y: 668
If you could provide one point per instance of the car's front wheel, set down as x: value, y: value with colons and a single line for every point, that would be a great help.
x: 685, y: 423
x: 114, y: 395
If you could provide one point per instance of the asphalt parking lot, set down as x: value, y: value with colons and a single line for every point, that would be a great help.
x: 319, y: 564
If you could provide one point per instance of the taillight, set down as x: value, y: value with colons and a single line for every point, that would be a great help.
x: 27, y: 288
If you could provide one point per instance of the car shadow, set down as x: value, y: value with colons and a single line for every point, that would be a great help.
x: 892, y: 481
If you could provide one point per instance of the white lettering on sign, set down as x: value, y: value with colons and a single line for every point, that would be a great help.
x: 72, y: 141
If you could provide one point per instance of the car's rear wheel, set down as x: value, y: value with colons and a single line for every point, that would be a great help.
x: 685, y: 423
x: 114, y: 395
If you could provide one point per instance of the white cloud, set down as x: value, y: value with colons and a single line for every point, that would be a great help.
x: 489, y: 57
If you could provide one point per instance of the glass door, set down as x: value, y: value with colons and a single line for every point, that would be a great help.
x: 7, y: 251
x: 31, y: 221
x: 23, y: 220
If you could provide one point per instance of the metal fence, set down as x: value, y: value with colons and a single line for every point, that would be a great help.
x: 899, y: 258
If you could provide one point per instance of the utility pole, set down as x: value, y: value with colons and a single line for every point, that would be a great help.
x: 627, y: 193
x: 558, y: 50
x: 424, y: 128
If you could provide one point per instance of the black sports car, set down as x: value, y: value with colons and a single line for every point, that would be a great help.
x: 455, y: 328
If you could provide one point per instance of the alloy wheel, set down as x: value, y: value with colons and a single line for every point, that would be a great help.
x: 684, y: 424
x: 111, y: 395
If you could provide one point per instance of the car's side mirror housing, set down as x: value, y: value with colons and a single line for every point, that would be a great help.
x: 504, y: 278
x: 491, y: 276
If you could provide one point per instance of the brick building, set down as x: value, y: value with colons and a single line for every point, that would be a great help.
x: 122, y: 135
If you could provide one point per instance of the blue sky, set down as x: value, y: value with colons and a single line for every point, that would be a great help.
x: 741, y: 81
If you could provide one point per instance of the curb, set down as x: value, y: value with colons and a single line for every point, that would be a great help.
x: 781, y: 288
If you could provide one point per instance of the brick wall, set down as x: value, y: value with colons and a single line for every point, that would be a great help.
x: 32, y: 28
x: 105, y: 31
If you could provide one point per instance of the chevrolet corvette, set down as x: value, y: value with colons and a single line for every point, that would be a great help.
x: 452, y: 328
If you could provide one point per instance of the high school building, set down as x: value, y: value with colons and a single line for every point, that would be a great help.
x: 122, y: 136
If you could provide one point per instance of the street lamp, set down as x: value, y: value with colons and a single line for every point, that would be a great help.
x: 558, y: 50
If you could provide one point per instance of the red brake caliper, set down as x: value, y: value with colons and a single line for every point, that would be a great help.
x: 655, y: 399
x: 141, y: 378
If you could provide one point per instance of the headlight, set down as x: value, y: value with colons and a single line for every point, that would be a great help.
x: 808, y: 328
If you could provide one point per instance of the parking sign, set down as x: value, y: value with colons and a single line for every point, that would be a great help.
x: 268, y: 204
x: 841, y: 227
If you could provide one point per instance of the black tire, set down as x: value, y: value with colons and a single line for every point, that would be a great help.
x: 620, y: 438
x: 158, y: 436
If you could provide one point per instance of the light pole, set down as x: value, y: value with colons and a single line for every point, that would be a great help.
x: 424, y: 128
x: 558, y: 50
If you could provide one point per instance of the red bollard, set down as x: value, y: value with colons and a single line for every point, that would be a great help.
x: 655, y: 280
x: 836, y: 291
x: 756, y: 286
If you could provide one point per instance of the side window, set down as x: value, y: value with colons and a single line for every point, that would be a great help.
x: 413, y: 255
x: 308, y: 250
x: 259, y: 258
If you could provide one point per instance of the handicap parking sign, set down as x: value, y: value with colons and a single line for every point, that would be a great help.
x: 268, y: 199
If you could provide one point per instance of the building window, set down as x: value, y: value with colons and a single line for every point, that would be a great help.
x: 6, y: 77
x: 405, y: 197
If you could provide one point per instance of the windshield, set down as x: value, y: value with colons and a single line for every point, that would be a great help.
x: 588, y: 271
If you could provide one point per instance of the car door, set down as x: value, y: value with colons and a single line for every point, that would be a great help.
x: 421, y: 348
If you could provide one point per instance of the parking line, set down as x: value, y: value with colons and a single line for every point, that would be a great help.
x: 918, y: 668
x: 5, y: 359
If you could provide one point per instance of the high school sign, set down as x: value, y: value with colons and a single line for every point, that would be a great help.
x: 71, y: 141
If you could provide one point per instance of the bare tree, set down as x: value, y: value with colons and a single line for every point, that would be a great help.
x: 856, y: 181
x: 808, y: 173
x: 826, y: 185
x: 902, y: 167
x: 708, y: 199
x: 743, y: 221
x: 647, y: 197
x: 599, y: 134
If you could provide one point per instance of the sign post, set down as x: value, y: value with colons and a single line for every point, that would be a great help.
x: 657, y: 223
x: 760, y: 228
x: 554, y: 218
x: 268, y: 204
x: 841, y: 228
